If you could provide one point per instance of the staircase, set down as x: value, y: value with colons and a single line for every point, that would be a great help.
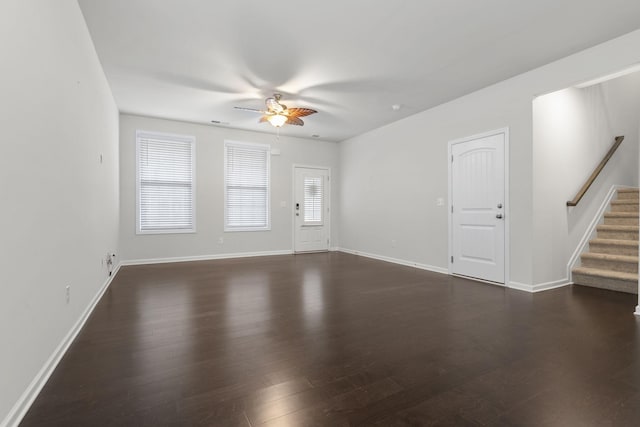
x: 612, y: 260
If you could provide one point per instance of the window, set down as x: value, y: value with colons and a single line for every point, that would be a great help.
x: 313, y: 196
x: 165, y: 183
x: 246, y: 182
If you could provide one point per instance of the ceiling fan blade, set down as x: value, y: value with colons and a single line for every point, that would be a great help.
x: 294, y: 121
x: 263, y: 119
x: 252, y: 110
x: 300, y: 112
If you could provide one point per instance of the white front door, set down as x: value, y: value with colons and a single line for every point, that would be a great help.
x: 311, y: 209
x: 478, y: 207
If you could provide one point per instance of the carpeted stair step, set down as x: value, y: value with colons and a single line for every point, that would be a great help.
x: 624, y: 205
x: 628, y: 193
x: 611, y: 262
x: 621, y: 218
x: 604, y: 279
x: 620, y: 232
x: 613, y: 246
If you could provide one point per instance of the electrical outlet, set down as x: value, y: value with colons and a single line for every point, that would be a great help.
x: 67, y: 291
x: 393, y: 243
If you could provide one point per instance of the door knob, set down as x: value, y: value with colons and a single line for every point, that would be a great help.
x: 499, y: 216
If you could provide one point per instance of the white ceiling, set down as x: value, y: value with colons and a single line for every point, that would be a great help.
x: 351, y: 60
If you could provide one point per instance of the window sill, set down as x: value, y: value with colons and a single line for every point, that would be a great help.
x: 151, y: 232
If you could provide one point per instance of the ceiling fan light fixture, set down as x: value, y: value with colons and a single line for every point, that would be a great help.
x: 277, y: 120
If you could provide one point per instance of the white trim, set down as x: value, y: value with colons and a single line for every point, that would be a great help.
x: 540, y: 286
x: 637, y: 313
x: 205, y: 257
x: 520, y: 286
x: 20, y: 408
x: 507, y: 200
x: 591, y: 229
x: 395, y: 261
x: 328, y: 203
x: 551, y: 285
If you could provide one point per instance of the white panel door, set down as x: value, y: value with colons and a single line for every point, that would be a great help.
x: 311, y: 209
x: 478, y: 198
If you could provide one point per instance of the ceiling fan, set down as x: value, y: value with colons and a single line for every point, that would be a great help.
x: 278, y: 114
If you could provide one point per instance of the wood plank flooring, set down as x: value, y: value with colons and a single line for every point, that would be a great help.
x: 335, y: 340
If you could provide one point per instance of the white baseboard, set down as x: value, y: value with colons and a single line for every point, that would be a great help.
x: 205, y: 257
x: 591, y: 230
x: 540, y: 286
x: 520, y: 286
x: 637, y: 313
x: 27, y: 398
x: 551, y: 285
x: 396, y: 261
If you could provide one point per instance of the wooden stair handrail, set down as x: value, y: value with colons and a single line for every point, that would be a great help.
x: 596, y: 172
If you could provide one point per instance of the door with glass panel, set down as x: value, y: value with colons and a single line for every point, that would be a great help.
x: 311, y: 210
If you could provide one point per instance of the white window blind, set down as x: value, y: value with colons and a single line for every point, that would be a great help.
x: 165, y: 183
x: 246, y: 205
x: 313, y: 196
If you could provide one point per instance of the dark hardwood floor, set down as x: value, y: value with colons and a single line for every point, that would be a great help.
x: 335, y: 340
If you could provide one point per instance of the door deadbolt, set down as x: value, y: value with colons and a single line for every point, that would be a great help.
x: 499, y: 205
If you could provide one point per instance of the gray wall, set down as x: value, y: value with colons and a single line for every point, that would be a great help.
x: 392, y: 176
x: 210, y: 192
x: 59, y: 203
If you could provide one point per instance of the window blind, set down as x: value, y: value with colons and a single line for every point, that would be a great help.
x: 246, y: 186
x: 165, y: 183
x: 313, y: 195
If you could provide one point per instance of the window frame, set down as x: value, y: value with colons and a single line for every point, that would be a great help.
x: 142, y: 134
x: 256, y: 146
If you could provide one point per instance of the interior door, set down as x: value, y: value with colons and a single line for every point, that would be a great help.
x: 478, y: 207
x: 311, y: 209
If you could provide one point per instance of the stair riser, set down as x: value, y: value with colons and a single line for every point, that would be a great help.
x: 613, y: 249
x: 624, y: 207
x: 619, y: 285
x: 628, y: 195
x: 618, y: 235
x: 611, y: 265
x: 621, y: 221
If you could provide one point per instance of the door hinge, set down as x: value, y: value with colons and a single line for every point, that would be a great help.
x: 327, y: 241
x: 451, y: 208
x: 451, y: 259
x: 452, y: 158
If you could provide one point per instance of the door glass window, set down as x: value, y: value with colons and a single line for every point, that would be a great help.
x: 313, y: 197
